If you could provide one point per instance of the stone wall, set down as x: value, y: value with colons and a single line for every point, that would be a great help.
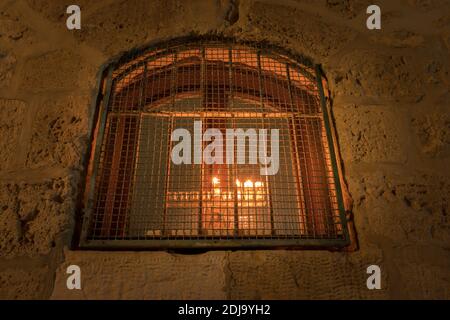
x: 391, y: 106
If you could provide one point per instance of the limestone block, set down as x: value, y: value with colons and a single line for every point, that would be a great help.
x: 33, y: 216
x: 423, y: 272
x: 399, y: 39
x: 12, y: 115
x: 59, y: 132
x: 25, y: 284
x: 132, y: 23
x: 371, y: 134
x: 428, y: 5
x: 433, y: 133
x: 404, y: 207
x: 446, y: 37
x: 302, y: 31
x: 58, y: 70
x: 8, y: 63
x: 379, y: 75
x: 10, y: 226
x: 12, y: 29
x: 348, y: 8
x: 303, y: 275
x: 443, y: 22
x: 15, y: 31
x: 145, y: 275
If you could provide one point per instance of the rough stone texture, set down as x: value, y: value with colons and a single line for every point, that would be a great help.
x: 347, y: 8
x: 146, y: 21
x: 25, y: 284
x: 73, y: 74
x: 390, y: 102
x: 34, y: 216
x: 301, y: 275
x: 59, y: 132
x: 268, y: 21
x: 406, y: 214
x: 11, y: 120
x: 404, y: 208
x: 430, y: 262
x: 433, y: 131
x: 371, y: 134
x: 55, y: 10
x: 379, y: 74
x: 15, y: 30
x: 446, y: 38
x: 12, y: 29
x: 400, y: 39
x: 158, y: 275
x: 7, y: 65
x: 427, y: 5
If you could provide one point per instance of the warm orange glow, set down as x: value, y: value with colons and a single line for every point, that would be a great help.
x: 248, y: 184
x: 215, y: 180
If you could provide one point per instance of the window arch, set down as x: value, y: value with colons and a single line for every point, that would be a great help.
x: 137, y: 196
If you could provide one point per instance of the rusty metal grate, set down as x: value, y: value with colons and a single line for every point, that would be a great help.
x: 137, y: 197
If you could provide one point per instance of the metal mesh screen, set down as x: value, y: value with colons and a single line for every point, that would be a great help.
x: 136, y: 194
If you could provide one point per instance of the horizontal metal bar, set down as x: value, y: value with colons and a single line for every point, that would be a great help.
x: 274, y: 215
x: 216, y: 114
x: 212, y: 243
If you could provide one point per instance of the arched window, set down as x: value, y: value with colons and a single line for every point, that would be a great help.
x: 265, y: 112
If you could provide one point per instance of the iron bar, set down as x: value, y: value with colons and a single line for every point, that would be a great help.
x: 140, y: 198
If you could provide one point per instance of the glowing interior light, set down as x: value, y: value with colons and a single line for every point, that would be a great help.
x: 238, y: 183
x: 258, y: 184
x: 215, y: 180
x: 248, y: 184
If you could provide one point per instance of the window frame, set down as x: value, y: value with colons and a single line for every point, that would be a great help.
x: 97, y: 135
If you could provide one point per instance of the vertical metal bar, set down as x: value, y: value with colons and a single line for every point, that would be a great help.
x: 123, y: 146
x: 272, y: 222
x: 137, y: 132
x: 166, y: 184
x: 234, y: 178
x: 202, y: 168
x: 173, y: 80
x: 99, y: 136
x: 169, y: 133
x: 113, y: 177
x: 143, y: 88
x: 326, y: 117
x: 258, y: 61
x: 295, y: 157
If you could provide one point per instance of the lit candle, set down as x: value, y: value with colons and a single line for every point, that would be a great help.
x: 248, y: 185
